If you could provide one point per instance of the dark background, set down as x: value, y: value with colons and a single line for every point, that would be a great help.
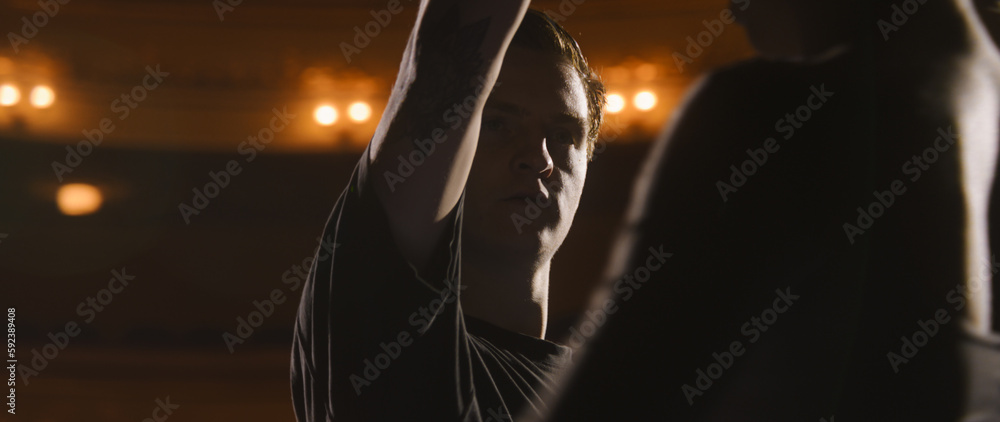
x: 163, y: 334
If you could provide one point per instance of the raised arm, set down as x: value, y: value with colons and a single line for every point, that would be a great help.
x: 423, y: 148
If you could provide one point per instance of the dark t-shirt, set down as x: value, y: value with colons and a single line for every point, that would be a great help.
x: 375, y: 340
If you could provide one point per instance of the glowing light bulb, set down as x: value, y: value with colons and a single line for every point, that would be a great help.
x: 42, y: 96
x: 645, y: 100
x: 326, y: 115
x: 360, y: 111
x: 616, y: 103
x: 9, y: 95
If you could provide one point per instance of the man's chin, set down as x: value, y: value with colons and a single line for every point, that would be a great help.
x: 530, y: 241
x: 530, y: 237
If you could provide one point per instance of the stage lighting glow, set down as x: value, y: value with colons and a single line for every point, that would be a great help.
x: 326, y: 115
x: 646, y: 72
x: 645, y: 100
x: 616, y: 103
x: 360, y: 111
x: 42, y: 96
x: 78, y: 199
x: 9, y: 95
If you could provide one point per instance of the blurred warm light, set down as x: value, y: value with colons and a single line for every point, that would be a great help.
x: 78, y: 199
x: 617, y: 74
x: 42, y: 96
x: 360, y: 111
x: 9, y: 95
x: 616, y: 103
x: 326, y: 115
x: 645, y: 100
x: 646, y: 72
x: 6, y: 65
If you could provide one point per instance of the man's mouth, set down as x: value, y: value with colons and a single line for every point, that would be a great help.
x: 532, y: 195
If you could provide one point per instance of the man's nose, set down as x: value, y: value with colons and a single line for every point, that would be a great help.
x: 533, y: 157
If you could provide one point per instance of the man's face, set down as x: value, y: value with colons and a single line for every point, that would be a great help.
x: 531, y: 160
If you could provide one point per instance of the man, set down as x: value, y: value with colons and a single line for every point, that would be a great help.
x: 826, y: 210
x: 411, y: 320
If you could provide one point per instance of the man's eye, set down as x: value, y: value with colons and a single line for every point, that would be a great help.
x: 564, y: 137
x: 494, y: 125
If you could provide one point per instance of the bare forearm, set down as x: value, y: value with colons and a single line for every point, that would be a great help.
x: 424, y: 146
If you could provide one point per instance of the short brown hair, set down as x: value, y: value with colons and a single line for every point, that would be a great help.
x: 539, y: 32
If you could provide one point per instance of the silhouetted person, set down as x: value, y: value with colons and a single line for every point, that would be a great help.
x: 825, y: 207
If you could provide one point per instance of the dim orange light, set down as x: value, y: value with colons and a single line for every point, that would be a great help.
x: 79, y: 199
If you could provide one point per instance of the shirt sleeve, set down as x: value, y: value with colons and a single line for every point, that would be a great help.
x: 375, y: 340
